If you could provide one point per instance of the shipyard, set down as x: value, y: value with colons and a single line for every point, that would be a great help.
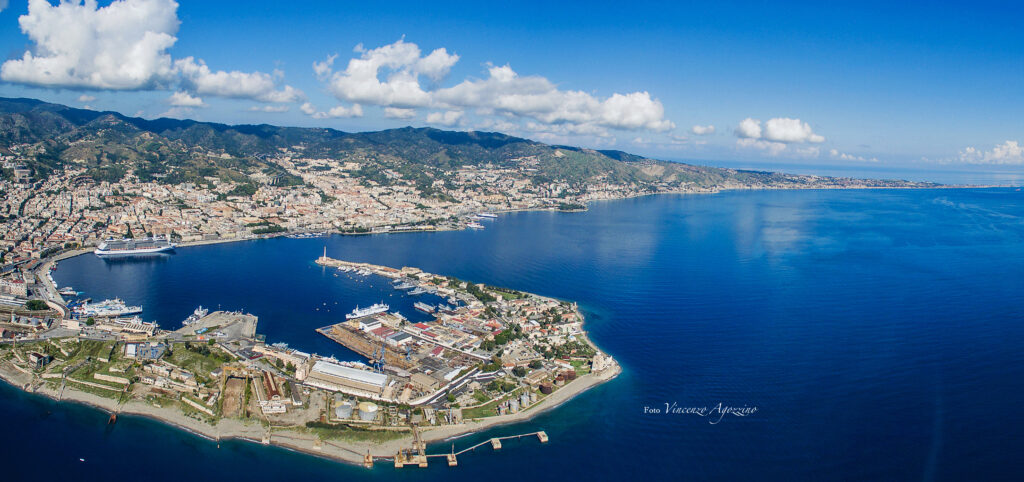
x: 488, y: 356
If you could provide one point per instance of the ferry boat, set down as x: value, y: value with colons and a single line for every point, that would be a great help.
x: 129, y: 246
x: 487, y: 215
x: 114, y: 307
x: 371, y: 310
x: 196, y: 315
x: 419, y: 305
x: 474, y: 225
x: 67, y: 291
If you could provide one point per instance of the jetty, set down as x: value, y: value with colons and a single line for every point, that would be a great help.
x: 416, y: 457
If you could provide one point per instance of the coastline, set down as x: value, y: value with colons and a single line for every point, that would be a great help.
x: 347, y: 451
x: 257, y: 432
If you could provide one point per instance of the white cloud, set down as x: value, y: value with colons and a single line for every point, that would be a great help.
x: 1009, y: 152
x: 836, y: 154
x: 400, y: 61
x: 86, y: 98
x: 447, y: 118
x: 272, y: 109
x: 244, y: 85
x: 398, y: 113
x: 123, y: 46
x: 77, y: 45
x: 779, y: 129
x: 323, y: 69
x: 784, y: 129
x: 339, y: 111
x: 502, y: 93
x: 3, y: 5
x: 184, y: 99
x: 772, y: 148
x: 703, y: 130
x: 749, y: 129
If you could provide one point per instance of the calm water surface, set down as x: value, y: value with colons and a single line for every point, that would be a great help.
x: 878, y: 333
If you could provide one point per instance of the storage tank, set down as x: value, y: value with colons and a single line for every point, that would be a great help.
x: 343, y: 410
x: 524, y: 400
x: 570, y: 375
x: 513, y: 406
x: 367, y: 411
x: 560, y: 380
x: 546, y: 388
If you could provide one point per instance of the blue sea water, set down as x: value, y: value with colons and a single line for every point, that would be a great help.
x: 878, y: 333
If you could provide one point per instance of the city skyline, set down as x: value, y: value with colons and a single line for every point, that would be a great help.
x: 742, y: 82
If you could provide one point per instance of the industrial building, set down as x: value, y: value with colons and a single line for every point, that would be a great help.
x: 338, y: 378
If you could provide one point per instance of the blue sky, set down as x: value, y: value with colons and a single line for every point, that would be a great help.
x: 931, y: 84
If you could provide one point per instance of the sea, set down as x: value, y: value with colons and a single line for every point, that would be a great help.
x: 763, y: 335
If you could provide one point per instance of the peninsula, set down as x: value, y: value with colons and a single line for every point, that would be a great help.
x: 490, y: 356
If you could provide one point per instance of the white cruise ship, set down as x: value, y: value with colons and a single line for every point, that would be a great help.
x: 105, y: 308
x: 128, y: 246
x: 370, y: 310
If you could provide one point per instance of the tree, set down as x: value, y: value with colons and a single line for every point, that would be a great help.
x: 451, y: 398
x: 35, y: 305
x: 536, y: 364
x: 519, y: 371
x: 279, y: 363
x: 90, y: 321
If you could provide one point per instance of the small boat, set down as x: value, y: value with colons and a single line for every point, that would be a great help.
x: 112, y: 420
x: 67, y: 291
x: 474, y: 225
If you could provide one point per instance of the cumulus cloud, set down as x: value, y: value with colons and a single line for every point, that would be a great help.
x: 244, y: 85
x: 778, y: 129
x: 703, y: 130
x: 505, y: 91
x: 123, y: 46
x: 1009, y: 152
x: 836, y: 154
x: 398, y: 113
x: 183, y: 99
x: 390, y: 76
x: 86, y: 98
x: 447, y: 118
x: 749, y: 129
x: 402, y: 64
x: 3, y: 5
x: 777, y: 134
x: 339, y: 111
x: 77, y: 45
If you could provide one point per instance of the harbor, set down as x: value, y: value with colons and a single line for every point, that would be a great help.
x: 478, y: 362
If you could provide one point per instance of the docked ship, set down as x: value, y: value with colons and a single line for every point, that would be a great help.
x: 67, y: 291
x: 487, y: 215
x: 128, y: 246
x: 405, y: 286
x: 474, y: 225
x: 107, y: 308
x: 370, y: 310
x: 196, y: 315
x: 419, y: 305
x: 417, y: 291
